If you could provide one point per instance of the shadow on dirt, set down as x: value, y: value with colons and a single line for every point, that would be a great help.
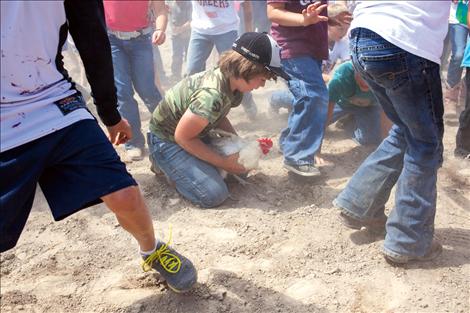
x: 223, y: 292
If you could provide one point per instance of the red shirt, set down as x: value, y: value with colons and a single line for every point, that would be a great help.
x: 311, y: 40
x: 127, y: 16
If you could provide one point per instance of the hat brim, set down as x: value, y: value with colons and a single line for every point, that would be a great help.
x: 278, y: 71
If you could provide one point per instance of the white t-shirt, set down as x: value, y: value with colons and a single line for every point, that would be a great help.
x: 340, y: 51
x: 30, y: 81
x: 418, y: 27
x: 453, y: 14
x: 214, y: 17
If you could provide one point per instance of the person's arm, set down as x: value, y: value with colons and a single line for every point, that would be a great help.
x: 87, y: 27
x: 161, y: 12
x: 468, y: 16
x: 277, y: 13
x: 225, y: 124
x: 187, y: 136
x: 248, y: 15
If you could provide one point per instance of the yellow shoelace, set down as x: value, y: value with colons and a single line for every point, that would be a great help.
x: 170, y: 262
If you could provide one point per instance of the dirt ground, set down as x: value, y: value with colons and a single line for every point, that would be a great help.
x: 274, y: 246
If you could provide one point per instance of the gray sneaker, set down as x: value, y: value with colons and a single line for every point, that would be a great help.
x: 395, y: 258
x: 179, y: 273
x: 306, y: 170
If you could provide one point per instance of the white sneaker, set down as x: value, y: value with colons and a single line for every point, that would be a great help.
x: 135, y: 154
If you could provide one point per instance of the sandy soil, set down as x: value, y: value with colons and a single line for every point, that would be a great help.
x: 274, y: 246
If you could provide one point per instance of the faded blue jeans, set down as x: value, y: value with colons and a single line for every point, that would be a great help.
x: 303, y: 136
x: 409, y: 89
x: 200, y: 48
x: 133, y: 68
x: 458, y: 34
x: 367, y: 119
x: 196, y: 180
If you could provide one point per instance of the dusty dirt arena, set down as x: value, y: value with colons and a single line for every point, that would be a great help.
x: 274, y: 246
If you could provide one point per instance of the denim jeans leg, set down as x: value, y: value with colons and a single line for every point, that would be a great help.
x: 367, y: 121
x: 369, y: 188
x: 178, y: 47
x: 223, y: 42
x: 143, y: 74
x: 281, y: 99
x: 199, y: 49
x: 409, y: 90
x: 196, y: 180
x: 303, y: 136
x: 261, y: 22
x: 368, y: 130
x: 159, y: 70
x: 463, y: 133
x: 127, y: 105
x: 458, y: 38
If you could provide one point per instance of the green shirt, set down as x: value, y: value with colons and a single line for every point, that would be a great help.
x: 344, y: 91
x: 206, y: 94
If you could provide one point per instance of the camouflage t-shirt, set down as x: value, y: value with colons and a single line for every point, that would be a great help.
x: 206, y: 94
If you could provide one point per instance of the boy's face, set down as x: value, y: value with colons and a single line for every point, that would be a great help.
x: 252, y: 84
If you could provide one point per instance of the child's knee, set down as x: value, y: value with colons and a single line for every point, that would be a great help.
x: 214, y: 195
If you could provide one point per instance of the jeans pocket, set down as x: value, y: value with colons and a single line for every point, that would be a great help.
x: 297, y: 88
x: 388, y: 70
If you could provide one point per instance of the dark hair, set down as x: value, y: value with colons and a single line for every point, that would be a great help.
x: 233, y: 64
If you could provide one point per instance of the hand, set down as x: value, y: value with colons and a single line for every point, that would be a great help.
x: 231, y: 165
x: 311, y: 15
x: 120, y: 133
x: 158, y: 37
x: 342, y: 18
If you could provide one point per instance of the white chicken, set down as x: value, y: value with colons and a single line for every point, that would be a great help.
x: 249, y: 151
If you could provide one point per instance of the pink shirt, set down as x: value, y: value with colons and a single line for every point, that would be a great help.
x: 126, y: 16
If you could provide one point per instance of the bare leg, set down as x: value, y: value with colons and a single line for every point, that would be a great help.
x: 133, y: 215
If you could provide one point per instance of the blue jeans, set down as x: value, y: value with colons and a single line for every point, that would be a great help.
x: 133, y: 68
x: 260, y: 19
x: 458, y: 38
x: 281, y: 99
x: 368, y: 130
x: 409, y: 90
x: 158, y: 62
x: 179, y: 46
x: 200, y: 48
x: 303, y: 136
x: 198, y: 181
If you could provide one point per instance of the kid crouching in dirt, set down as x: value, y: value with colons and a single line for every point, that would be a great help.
x: 349, y: 94
x: 200, y: 103
x: 49, y: 137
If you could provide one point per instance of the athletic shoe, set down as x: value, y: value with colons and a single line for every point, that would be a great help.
x: 135, y: 153
x: 306, y: 170
x: 373, y: 225
x: 395, y: 258
x: 179, y: 273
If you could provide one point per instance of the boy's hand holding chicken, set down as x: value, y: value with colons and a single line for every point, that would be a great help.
x: 244, y: 152
x: 227, y: 152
